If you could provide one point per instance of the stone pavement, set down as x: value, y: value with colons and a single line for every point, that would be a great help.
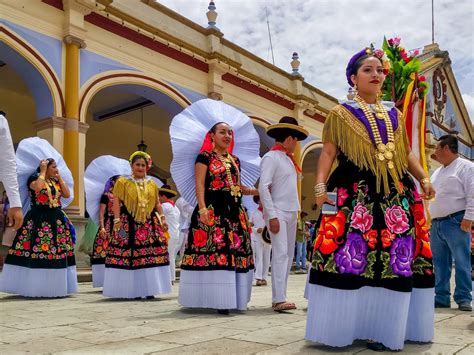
x: 87, y: 323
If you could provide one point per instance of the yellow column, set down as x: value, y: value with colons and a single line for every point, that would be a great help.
x: 71, y: 131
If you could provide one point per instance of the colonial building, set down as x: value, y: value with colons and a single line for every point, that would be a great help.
x: 98, y: 77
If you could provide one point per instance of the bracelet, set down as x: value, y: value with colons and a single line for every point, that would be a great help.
x: 320, y: 188
x: 202, y: 210
x: 425, y: 181
x: 319, y: 194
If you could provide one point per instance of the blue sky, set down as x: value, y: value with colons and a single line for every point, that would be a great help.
x: 325, y: 33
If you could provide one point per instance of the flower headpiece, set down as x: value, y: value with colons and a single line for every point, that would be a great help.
x: 143, y: 155
x: 369, y: 51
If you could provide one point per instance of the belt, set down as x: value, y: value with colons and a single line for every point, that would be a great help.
x: 455, y: 214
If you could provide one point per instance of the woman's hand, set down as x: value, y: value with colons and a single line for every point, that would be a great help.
x: 321, y: 200
x: 117, y: 225
x: 428, y: 191
x: 204, y: 216
x: 102, y: 232
x: 43, y: 167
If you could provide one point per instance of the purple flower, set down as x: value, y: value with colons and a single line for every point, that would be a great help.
x: 401, y: 256
x: 352, y: 257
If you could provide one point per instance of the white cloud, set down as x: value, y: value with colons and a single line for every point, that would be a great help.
x: 326, y: 33
x: 469, y: 102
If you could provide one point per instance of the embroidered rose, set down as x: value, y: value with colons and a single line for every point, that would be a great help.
x: 217, y: 183
x: 352, y: 257
x: 222, y: 259
x: 44, y: 247
x: 42, y: 198
x: 141, y: 234
x: 401, y: 256
x: 201, y: 260
x: 212, y: 218
x: 361, y: 218
x: 371, y: 238
x: 26, y: 245
x: 218, y: 236
x: 236, y: 241
x: 199, y: 238
x: 341, y: 196
x: 396, y: 219
x: 216, y: 167
x: 421, y: 232
x: 330, y: 232
x: 387, y: 238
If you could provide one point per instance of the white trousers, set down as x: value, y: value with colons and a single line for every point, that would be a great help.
x: 283, y: 249
x: 261, y: 252
x: 173, y: 247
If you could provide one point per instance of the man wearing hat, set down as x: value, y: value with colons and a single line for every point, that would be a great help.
x: 171, y: 213
x: 261, y: 247
x: 278, y: 189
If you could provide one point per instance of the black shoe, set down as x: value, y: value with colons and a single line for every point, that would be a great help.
x: 137, y: 298
x: 150, y: 297
x: 224, y: 312
x: 441, y: 305
x: 376, y: 346
x: 465, y: 306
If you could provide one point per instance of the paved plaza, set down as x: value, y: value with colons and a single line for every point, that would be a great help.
x: 87, y: 323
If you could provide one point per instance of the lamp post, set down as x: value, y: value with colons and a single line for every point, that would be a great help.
x: 142, y: 146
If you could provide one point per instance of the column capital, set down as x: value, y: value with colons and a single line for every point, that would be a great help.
x: 75, y: 10
x: 49, y: 122
x: 71, y: 39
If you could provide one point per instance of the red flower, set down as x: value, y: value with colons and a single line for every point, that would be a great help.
x: 42, y: 198
x: 201, y: 260
x: 371, y: 238
x: 387, y: 238
x: 200, y: 238
x: 243, y: 220
x: 421, y: 78
x: 217, y: 183
x: 216, y: 167
x: 330, y: 231
x: 26, y: 245
x: 212, y: 218
x: 222, y: 259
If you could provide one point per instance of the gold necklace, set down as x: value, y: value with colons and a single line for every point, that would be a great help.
x: 142, y: 192
x: 385, y: 152
x: 53, y: 199
x: 235, y: 190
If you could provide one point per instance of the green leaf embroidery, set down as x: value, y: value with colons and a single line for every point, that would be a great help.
x: 369, y: 270
x: 419, y: 264
x: 387, y: 272
x: 331, y: 265
x: 317, y: 260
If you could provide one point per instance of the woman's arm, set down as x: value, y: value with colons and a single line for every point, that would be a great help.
x: 102, y: 208
x: 326, y: 159
x: 64, y: 188
x: 415, y: 168
x: 200, y: 171
x: 116, y: 211
x: 161, y: 214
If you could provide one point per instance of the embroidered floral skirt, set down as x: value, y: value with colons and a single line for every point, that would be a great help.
x: 137, y: 261
x: 217, y: 266
x: 101, y: 243
x: 376, y: 248
x: 40, y: 262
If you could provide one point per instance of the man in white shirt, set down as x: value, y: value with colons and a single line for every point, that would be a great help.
x: 278, y: 189
x: 171, y: 213
x: 452, y: 213
x: 185, y: 214
x: 8, y: 175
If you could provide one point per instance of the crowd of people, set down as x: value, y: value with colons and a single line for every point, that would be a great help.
x: 375, y: 273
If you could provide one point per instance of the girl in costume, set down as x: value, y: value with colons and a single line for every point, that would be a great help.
x: 217, y: 265
x: 101, y: 242
x: 371, y: 276
x: 40, y: 262
x: 137, y: 262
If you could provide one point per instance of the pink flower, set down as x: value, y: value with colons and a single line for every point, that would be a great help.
x: 141, y: 234
x: 415, y: 53
x: 201, y: 260
x: 237, y: 241
x: 396, y: 219
x: 396, y: 41
x: 361, y: 218
x: 218, y: 236
x: 378, y: 53
x: 355, y: 187
x: 341, y: 196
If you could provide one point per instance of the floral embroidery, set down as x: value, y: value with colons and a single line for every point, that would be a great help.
x: 387, y: 238
x: 371, y: 238
x: 401, y: 256
x: 396, y: 219
x: 361, y: 218
x: 341, y: 196
x: 352, y: 257
x: 330, y: 231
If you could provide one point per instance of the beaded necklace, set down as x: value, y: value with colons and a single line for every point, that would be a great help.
x: 53, y: 199
x: 235, y: 190
x: 384, y: 152
x: 142, y: 193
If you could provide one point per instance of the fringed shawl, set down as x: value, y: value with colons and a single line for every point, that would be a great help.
x: 140, y: 207
x: 350, y: 135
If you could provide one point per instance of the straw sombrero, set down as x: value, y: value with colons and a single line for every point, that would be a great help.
x: 287, y: 124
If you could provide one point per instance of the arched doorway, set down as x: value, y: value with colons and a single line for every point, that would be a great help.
x: 118, y: 107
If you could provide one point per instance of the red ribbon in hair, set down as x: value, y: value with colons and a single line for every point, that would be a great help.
x: 281, y: 148
x: 208, y: 144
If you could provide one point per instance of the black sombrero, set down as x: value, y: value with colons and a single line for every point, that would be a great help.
x: 266, y: 236
x: 167, y: 191
x: 287, y: 124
